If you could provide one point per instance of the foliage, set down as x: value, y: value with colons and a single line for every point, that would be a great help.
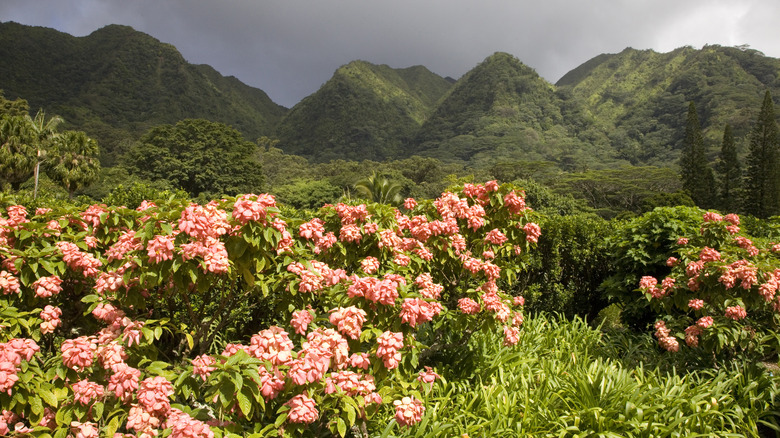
x: 130, y: 320
x: 571, y: 261
x: 73, y: 160
x: 762, y: 185
x: 696, y: 175
x: 378, y: 189
x: 198, y: 156
x: 729, y: 172
x: 641, y: 246
x: 17, y: 150
x: 565, y: 378
x: 720, y: 295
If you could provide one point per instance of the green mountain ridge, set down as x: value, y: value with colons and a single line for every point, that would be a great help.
x: 612, y: 110
x: 116, y: 83
x: 364, y: 111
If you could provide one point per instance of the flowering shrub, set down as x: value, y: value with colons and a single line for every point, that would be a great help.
x: 127, y: 307
x: 721, y: 294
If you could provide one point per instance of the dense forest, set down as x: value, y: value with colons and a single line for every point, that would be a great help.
x: 609, y: 135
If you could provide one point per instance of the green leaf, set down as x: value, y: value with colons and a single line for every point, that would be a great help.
x: 341, y: 426
x: 48, y: 397
x: 244, y: 404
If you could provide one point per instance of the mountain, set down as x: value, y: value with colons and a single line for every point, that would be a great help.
x: 117, y: 82
x: 500, y: 111
x: 364, y: 111
x: 639, y: 97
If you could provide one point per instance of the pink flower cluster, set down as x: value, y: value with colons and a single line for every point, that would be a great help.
x: 272, y: 344
x: 160, y: 248
x: 415, y: 311
x: 202, y: 366
x: 127, y: 242
x: 78, y: 353
x: 182, y: 425
x: 741, y: 270
x: 383, y: 291
x: 351, y: 383
x: 302, y: 410
x: 79, y: 261
x: 51, y: 319
x: 468, y: 306
x: 252, y: 208
x: 300, y: 321
x: 11, y: 355
x: 428, y: 377
x: 45, y: 287
x: 390, y: 344
x: 428, y: 289
x: 515, y: 203
x: 665, y: 340
x: 348, y: 320
x: 408, y: 411
x: 736, y: 312
x: 532, y: 232
x: 9, y: 284
x: 317, y: 276
x: 314, y: 230
x: 85, y: 392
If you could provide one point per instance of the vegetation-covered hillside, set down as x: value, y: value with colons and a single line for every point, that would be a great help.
x: 364, y: 111
x: 116, y: 83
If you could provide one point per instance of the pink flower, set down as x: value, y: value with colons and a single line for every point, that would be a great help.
x: 9, y: 284
x: 511, y: 336
x: 85, y: 391
x: 51, y: 319
x: 184, y: 426
x: 251, y: 207
x: 496, y: 237
x: 47, y: 286
x: 410, y: 203
x: 300, y: 321
x: 360, y: 360
x: 271, y: 383
x: 84, y: 430
x: 468, y: 306
x: 348, y: 321
x: 124, y: 382
x: 518, y: 300
x: 428, y: 376
x: 78, y: 353
x: 711, y: 216
x: 736, y: 313
x: 8, y: 377
x: 532, y: 231
x: 369, y: 265
x: 696, y: 304
x: 202, y: 366
x: 416, y: 311
x: 408, y: 411
x: 709, y: 255
x: 154, y: 394
x: 705, y: 321
x: 682, y: 241
x: 273, y: 345
x: 143, y: 422
x: 160, y: 248
x: 514, y: 203
x: 671, y: 261
x: 302, y: 410
x: 388, y: 350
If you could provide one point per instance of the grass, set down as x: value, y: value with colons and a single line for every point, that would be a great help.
x: 567, y: 379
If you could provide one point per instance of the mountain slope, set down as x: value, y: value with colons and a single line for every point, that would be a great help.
x: 639, y: 98
x: 364, y: 111
x: 501, y: 111
x: 116, y: 82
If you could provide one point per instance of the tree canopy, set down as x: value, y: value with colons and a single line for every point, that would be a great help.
x: 199, y: 156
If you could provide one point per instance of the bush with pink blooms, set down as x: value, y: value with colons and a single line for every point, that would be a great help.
x: 720, y: 297
x: 231, y: 318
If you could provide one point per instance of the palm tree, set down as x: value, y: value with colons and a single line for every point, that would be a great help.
x: 379, y: 189
x: 73, y: 162
x: 17, y: 150
x: 44, y: 131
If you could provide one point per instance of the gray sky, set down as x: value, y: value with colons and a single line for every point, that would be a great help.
x: 288, y: 48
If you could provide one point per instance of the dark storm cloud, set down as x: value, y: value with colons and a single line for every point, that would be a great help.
x: 289, y: 48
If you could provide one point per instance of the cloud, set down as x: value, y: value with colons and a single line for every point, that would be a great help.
x: 289, y: 48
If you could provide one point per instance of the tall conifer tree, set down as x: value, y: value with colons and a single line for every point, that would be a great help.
x: 730, y: 173
x: 696, y: 175
x: 763, y: 172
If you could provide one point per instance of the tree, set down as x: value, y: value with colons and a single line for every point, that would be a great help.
x: 729, y: 173
x: 18, y: 107
x: 763, y: 175
x: 198, y: 156
x: 73, y: 161
x: 17, y: 150
x: 697, y: 177
x: 45, y: 131
x: 379, y: 189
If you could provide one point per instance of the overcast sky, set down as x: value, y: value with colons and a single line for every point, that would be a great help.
x: 288, y: 48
